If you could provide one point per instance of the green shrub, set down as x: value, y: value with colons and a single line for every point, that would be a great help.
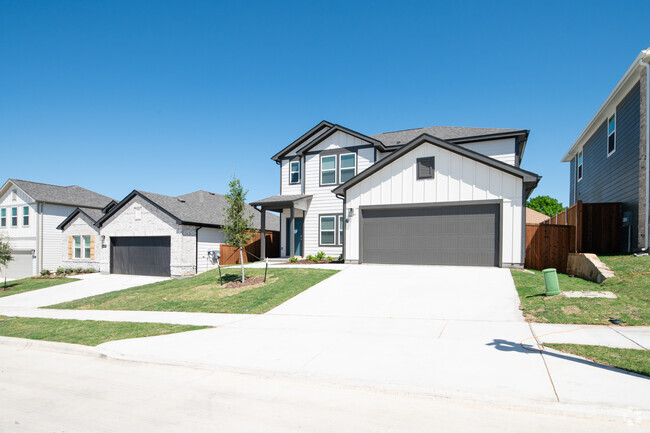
x: 68, y: 271
x: 45, y: 272
x: 340, y: 259
x: 90, y: 270
x: 79, y: 270
x: 60, y: 271
x: 293, y: 260
x: 310, y: 257
x: 329, y: 258
x: 320, y: 256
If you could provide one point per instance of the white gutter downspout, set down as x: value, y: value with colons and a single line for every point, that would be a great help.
x: 644, y: 62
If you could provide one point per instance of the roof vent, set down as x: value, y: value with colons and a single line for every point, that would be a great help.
x: 181, y: 200
x: 398, y: 142
x: 211, y: 193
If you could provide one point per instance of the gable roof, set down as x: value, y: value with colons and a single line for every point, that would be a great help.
x: 67, y: 195
x: 322, y: 126
x: 530, y: 179
x: 448, y: 133
x: 92, y: 213
x: 389, y: 141
x: 621, y: 89
x: 200, y: 208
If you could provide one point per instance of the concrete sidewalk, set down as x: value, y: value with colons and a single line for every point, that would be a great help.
x: 88, y: 285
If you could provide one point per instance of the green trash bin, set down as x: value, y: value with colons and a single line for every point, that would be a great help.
x: 551, y: 282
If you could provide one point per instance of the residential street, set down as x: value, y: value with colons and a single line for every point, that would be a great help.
x: 45, y: 391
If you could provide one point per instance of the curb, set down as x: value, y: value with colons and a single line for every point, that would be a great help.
x: 51, y: 346
x: 629, y: 415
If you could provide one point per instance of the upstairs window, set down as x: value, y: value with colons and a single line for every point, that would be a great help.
x: 611, y: 134
x: 348, y: 166
x: 328, y: 170
x: 294, y: 172
x: 14, y: 217
x: 25, y: 215
x: 3, y: 217
x: 579, y: 168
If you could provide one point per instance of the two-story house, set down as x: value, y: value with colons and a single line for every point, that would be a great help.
x: 29, y: 215
x: 609, y: 158
x: 437, y: 195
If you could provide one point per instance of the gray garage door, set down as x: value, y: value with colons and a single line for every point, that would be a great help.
x: 443, y: 235
x: 141, y: 255
x: 20, y: 266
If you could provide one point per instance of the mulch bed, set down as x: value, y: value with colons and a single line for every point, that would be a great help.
x: 251, y: 281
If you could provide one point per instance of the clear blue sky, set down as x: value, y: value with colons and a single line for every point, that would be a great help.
x: 171, y: 97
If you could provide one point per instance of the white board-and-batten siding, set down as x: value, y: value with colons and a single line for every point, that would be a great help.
x: 457, y: 178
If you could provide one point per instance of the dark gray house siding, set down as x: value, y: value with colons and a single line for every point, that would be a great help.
x: 614, y: 178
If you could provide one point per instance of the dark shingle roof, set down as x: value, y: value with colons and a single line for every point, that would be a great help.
x: 70, y: 195
x: 398, y: 138
x: 204, y: 208
x: 279, y: 199
x: 93, y: 214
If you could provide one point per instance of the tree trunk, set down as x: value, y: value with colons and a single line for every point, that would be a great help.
x: 241, y: 260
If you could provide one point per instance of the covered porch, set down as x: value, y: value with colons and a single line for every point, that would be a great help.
x: 292, y: 209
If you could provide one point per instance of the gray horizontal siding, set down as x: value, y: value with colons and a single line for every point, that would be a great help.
x: 615, y: 179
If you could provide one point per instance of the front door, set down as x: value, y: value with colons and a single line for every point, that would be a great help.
x: 297, y: 236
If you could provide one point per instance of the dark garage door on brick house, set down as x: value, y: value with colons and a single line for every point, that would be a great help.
x: 147, y: 255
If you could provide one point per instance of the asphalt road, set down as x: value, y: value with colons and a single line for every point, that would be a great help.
x: 44, y: 391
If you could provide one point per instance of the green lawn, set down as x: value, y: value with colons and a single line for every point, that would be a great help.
x: 203, y: 293
x: 631, y: 285
x: 28, y: 284
x: 86, y: 332
x: 637, y: 361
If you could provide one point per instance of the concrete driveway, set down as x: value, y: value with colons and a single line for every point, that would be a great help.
x: 89, y: 285
x: 411, y: 292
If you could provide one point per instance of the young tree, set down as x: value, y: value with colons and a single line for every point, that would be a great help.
x: 239, y: 220
x: 545, y: 204
x: 6, y: 255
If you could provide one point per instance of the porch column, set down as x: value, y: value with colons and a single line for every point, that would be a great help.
x: 292, y: 237
x: 263, y: 234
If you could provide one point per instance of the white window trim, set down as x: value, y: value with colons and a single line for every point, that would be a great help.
x: 341, y: 168
x: 291, y: 172
x: 11, y: 216
x: 28, y: 216
x: 340, y: 234
x: 580, y: 155
x: 82, y: 247
x: 320, y: 230
x: 328, y: 170
x: 608, y: 134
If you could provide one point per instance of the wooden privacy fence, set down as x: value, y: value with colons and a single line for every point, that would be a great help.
x: 597, y: 226
x: 230, y: 254
x: 549, y: 245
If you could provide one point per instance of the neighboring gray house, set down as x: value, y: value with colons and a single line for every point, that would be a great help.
x: 29, y: 215
x: 151, y: 234
x: 436, y: 195
x: 609, y: 158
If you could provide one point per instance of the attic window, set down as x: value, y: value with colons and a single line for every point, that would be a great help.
x: 425, y: 167
x: 13, y: 195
